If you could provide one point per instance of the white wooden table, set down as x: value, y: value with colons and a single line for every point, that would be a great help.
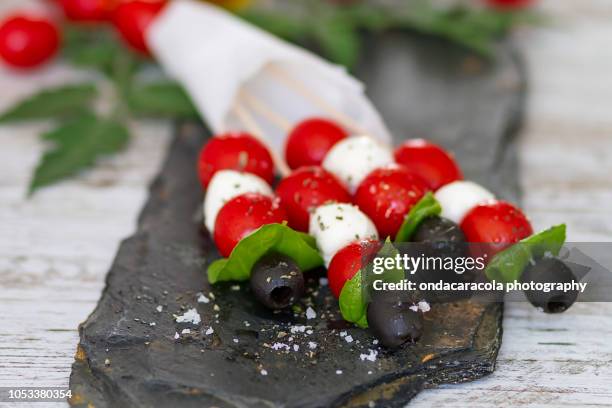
x: 56, y: 247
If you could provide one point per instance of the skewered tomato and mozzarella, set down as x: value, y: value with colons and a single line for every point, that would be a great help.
x: 336, y: 225
x: 242, y: 215
x: 482, y: 218
x: 459, y: 197
x: 430, y: 161
x: 307, y: 188
x: 309, y: 142
x: 352, y: 159
x: 235, y: 151
x: 498, y: 224
x: 387, y: 194
x: 226, y: 185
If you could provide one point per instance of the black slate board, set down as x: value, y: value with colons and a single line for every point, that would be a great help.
x: 124, y: 361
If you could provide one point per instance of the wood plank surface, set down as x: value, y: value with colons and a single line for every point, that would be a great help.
x: 56, y: 248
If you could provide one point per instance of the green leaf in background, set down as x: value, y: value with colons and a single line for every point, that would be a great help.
x: 339, y: 40
x: 427, y: 207
x: 508, y: 265
x: 353, y: 302
x: 69, y: 100
x: 161, y: 99
x: 272, y: 237
x: 76, y: 146
x: 278, y: 24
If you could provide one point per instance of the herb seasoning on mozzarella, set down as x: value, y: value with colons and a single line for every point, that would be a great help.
x: 352, y: 159
x: 226, y: 185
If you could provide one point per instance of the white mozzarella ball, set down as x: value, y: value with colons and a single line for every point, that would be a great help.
x: 459, y: 197
x: 352, y: 159
x: 336, y: 225
x: 228, y: 184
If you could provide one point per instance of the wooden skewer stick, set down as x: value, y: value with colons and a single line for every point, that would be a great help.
x: 249, y: 122
x: 266, y: 111
x: 315, y: 99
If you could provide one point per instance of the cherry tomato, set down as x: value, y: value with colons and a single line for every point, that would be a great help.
x: 88, y: 10
x: 307, y: 188
x: 510, y: 4
x: 387, y: 194
x: 242, y: 215
x: 310, y: 140
x: 132, y: 18
x: 347, y: 261
x: 434, y: 164
x: 26, y: 42
x: 235, y: 151
x: 496, y: 225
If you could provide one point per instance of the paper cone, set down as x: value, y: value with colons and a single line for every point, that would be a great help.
x: 219, y: 58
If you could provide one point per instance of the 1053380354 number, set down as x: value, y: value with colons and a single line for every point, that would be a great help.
x: 40, y: 394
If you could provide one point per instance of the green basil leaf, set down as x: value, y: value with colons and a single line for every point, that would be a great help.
x: 508, y: 265
x: 353, y: 297
x: 68, y: 100
x: 77, y: 144
x: 161, y: 99
x: 272, y: 237
x: 427, y: 207
x: 352, y: 304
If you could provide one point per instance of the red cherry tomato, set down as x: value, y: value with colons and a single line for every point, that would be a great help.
x: 88, y: 10
x: 26, y: 42
x: 243, y: 215
x: 510, y: 4
x: 497, y: 225
x: 307, y: 188
x: 387, y: 194
x: 434, y: 164
x: 132, y: 18
x: 310, y: 140
x: 235, y: 151
x: 347, y: 261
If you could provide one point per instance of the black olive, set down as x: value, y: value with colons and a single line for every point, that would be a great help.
x: 438, y: 237
x: 277, y: 281
x: 393, y: 322
x: 436, y: 229
x: 550, y: 270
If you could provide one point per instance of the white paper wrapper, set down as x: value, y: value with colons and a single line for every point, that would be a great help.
x: 219, y: 58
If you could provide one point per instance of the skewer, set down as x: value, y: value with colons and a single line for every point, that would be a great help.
x: 315, y: 99
x: 264, y: 110
x: 249, y: 122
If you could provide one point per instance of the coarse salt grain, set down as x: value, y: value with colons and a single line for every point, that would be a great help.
x: 298, y: 329
x: 159, y: 308
x: 186, y: 331
x: 190, y: 316
x: 310, y: 313
x: 424, y: 306
x: 263, y: 372
x: 371, y: 356
x: 203, y: 299
x: 296, y: 347
x: 176, y: 336
x: 279, y: 346
x: 343, y: 333
x: 349, y: 339
x: 338, y: 372
x: 312, y: 345
x: 209, y: 331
